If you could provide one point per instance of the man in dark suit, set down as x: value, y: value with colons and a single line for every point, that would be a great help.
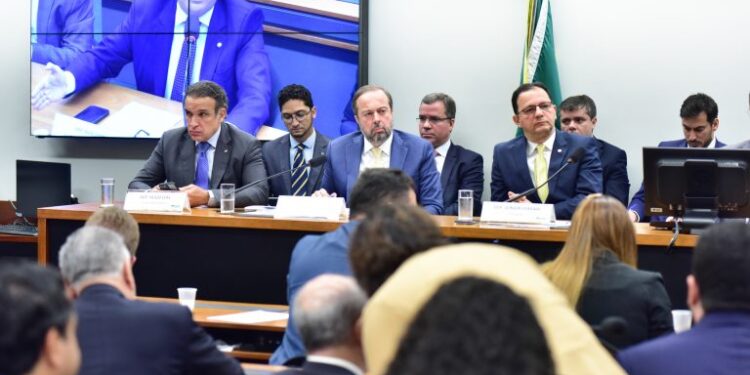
x: 327, y: 311
x: 206, y: 153
x: 459, y: 168
x: 377, y: 145
x: 578, y: 116
x: 700, y: 120
x: 719, y: 298
x: 528, y: 161
x: 121, y: 335
x: 302, y: 144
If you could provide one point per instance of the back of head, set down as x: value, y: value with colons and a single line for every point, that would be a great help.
x: 120, y: 221
x: 721, y: 261
x: 385, y: 238
x: 574, y: 103
x: 472, y: 325
x: 32, y: 301
x: 92, y: 251
x: 695, y: 104
x: 379, y: 186
x: 326, y: 311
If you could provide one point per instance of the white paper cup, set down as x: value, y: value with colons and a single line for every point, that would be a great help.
x: 681, y: 320
x: 187, y: 297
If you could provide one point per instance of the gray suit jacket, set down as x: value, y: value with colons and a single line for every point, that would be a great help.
x: 237, y: 160
x: 276, y: 159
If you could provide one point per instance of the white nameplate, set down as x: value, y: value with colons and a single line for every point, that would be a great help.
x: 157, y: 201
x: 325, y: 208
x: 518, y: 213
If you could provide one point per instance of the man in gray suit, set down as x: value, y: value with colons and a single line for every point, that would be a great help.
x: 302, y: 144
x: 206, y: 153
x: 744, y: 144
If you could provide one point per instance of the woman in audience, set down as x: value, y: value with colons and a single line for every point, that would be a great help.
x: 596, y: 270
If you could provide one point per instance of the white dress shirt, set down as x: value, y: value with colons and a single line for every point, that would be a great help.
x: 441, y: 152
x: 368, y: 158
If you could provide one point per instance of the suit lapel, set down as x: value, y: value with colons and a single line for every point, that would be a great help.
x: 318, y: 150
x: 185, y: 161
x: 282, y: 164
x: 216, y: 38
x: 221, y: 156
x: 559, y: 153
x: 518, y: 153
x: 451, y: 163
x: 353, y: 159
x: 399, y: 151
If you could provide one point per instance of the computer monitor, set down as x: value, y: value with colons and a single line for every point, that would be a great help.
x: 41, y: 184
x: 699, y: 185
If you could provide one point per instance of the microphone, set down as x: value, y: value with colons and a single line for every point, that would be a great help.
x: 574, y: 157
x: 314, y: 162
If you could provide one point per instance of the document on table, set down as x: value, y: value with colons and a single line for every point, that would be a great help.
x: 134, y: 120
x: 251, y: 317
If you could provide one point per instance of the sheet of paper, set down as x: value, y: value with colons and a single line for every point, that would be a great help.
x: 250, y: 317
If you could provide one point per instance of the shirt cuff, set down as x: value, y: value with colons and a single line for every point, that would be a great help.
x: 70, y: 83
x: 211, y: 199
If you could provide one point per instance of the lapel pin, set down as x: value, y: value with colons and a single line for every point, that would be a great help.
x: 559, y: 150
x: 219, y: 45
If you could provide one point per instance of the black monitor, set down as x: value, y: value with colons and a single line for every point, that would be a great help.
x: 699, y: 185
x: 41, y: 184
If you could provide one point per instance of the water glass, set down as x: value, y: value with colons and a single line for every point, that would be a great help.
x: 465, y: 206
x: 226, y: 193
x: 108, y: 192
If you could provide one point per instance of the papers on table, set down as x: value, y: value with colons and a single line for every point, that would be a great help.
x: 135, y: 120
x: 250, y: 317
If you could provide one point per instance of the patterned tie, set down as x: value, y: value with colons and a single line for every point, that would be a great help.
x: 183, y: 76
x: 201, y: 168
x: 540, y: 173
x: 300, y: 174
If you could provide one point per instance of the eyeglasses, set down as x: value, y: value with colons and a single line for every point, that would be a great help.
x: 431, y: 119
x: 531, y: 110
x: 299, y: 115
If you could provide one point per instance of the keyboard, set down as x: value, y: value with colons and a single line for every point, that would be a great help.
x: 19, y: 229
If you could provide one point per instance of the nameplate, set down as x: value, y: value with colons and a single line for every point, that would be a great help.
x: 328, y: 208
x: 518, y: 213
x: 157, y: 201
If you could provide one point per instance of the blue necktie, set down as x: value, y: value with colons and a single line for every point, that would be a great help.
x: 299, y: 176
x: 201, y: 168
x: 183, y: 76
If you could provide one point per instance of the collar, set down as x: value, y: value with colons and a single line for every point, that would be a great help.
x: 214, y: 138
x: 548, y: 144
x: 385, y: 147
x: 309, y: 142
x: 338, y: 362
x: 443, y: 149
x: 180, y: 17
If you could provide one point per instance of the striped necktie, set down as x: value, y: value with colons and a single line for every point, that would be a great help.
x: 299, y: 174
x: 540, y: 173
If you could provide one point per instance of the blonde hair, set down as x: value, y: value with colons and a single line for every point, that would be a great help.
x: 120, y: 221
x: 600, y: 223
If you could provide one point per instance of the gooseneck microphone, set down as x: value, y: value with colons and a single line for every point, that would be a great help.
x: 574, y: 157
x: 314, y: 162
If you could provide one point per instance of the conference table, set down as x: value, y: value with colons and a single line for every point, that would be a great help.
x: 246, y: 259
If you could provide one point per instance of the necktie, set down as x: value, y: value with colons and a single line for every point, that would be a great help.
x: 377, y: 157
x: 201, y: 168
x: 540, y: 173
x: 183, y: 76
x: 300, y: 174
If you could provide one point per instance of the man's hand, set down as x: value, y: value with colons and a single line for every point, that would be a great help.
x: 196, y: 195
x: 322, y: 193
x: 50, y: 89
x: 633, y: 216
x: 512, y: 195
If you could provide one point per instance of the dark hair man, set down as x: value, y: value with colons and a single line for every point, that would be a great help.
x: 719, y: 298
x: 206, y: 153
x: 302, y: 144
x: 459, y: 168
x: 578, y: 116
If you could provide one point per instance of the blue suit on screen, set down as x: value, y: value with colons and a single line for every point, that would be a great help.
x: 64, y: 29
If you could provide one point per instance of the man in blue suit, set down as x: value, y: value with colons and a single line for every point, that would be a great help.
x: 700, y: 120
x: 377, y: 145
x: 225, y: 40
x: 121, y: 335
x: 302, y: 144
x: 719, y: 298
x: 578, y: 116
x: 526, y: 162
x: 60, y: 30
x: 459, y: 168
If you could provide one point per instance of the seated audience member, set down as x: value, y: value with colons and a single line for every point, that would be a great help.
x: 526, y: 162
x: 390, y: 311
x: 388, y: 236
x: 60, y: 30
x: 120, y: 221
x: 377, y: 145
x: 596, y: 270
x: 459, y: 168
x: 206, y: 153
x: 473, y: 326
x: 327, y: 311
x: 315, y: 255
x: 302, y: 144
x: 719, y: 297
x: 700, y: 120
x: 37, y: 322
x: 121, y: 335
x: 744, y: 144
x: 578, y: 116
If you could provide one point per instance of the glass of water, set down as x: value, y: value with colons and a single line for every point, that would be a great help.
x: 108, y: 191
x: 465, y: 206
x: 226, y: 193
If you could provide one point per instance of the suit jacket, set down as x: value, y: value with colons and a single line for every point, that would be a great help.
x: 463, y: 169
x: 65, y: 28
x: 122, y: 336
x: 409, y: 153
x: 313, y: 255
x: 237, y: 160
x: 638, y: 297
x: 276, y: 160
x: 315, y: 368
x: 717, y: 345
x: 638, y: 203
x: 614, y: 171
x: 234, y: 55
x: 510, y: 172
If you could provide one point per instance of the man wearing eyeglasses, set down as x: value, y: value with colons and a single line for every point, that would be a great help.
x: 293, y: 151
x: 459, y: 168
x: 528, y: 161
